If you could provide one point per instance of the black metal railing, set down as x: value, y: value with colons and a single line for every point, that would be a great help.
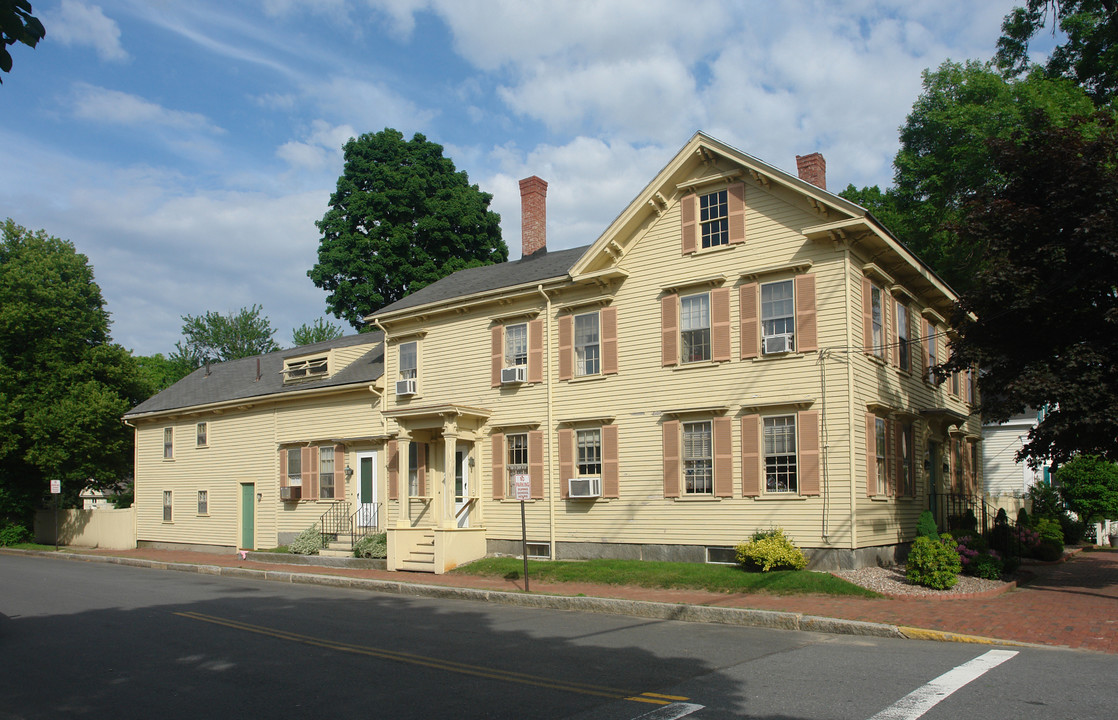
x: 957, y: 511
x: 365, y: 520
x: 334, y: 522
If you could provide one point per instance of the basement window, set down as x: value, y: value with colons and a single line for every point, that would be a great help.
x: 539, y: 551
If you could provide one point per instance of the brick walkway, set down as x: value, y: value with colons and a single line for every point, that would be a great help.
x: 1071, y: 604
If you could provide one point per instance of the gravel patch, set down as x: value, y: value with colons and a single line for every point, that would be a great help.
x: 891, y: 581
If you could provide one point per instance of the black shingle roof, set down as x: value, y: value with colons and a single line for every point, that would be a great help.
x: 534, y: 268
x: 236, y: 379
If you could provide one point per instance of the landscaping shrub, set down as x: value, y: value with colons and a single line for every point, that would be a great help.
x: 14, y: 534
x: 770, y: 550
x: 933, y: 563
x: 988, y: 566
x: 372, y: 546
x: 1051, y: 540
x: 926, y: 526
x: 1022, y: 517
x: 1002, y: 539
x: 308, y: 542
x: 1010, y: 565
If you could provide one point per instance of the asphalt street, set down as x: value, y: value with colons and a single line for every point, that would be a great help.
x: 108, y: 641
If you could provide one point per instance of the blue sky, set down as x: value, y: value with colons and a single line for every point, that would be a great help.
x: 187, y: 148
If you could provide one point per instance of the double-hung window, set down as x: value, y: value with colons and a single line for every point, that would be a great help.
x: 714, y: 219
x: 881, y: 442
x: 295, y: 467
x: 326, y: 473
x: 780, y: 454
x: 778, y: 317
x: 698, y: 459
x: 408, y: 354
x: 517, y: 456
x: 200, y: 435
x: 589, y: 443
x: 168, y: 443
x: 203, y: 502
x: 877, y: 312
x: 587, y: 344
x: 516, y: 345
x: 908, y: 467
x: 167, y: 515
x: 903, y: 346
x: 932, y: 343
x: 694, y: 315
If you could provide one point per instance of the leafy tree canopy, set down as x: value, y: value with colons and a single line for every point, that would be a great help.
x: 159, y: 372
x: 17, y: 24
x: 1089, y: 487
x: 63, y: 384
x: 1088, y: 55
x: 1041, y: 320
x: 401, y: 218
x: 216, y: 337
x: 321, y: 330
x: 944, y: 157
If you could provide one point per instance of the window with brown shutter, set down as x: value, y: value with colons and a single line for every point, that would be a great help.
x: 536, y: 463
x: 566, y: 460
x: 497, y: 464
x: 808, y: 452
x: 671, y: 458
x: 535, y: 351
x: 750, y: 331
x: 392, y: 460
x: 750, y: 455
x: 688, y: 209
x: 608, y: 317
x: 566, y: 347
x: 807, y: 336
x: 720, y: 325
x: 723, y: 457
x: 611, y: 473
x: 669, y: 330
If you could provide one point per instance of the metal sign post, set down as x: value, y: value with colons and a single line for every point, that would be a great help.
x: 522, y: 485
x: 56, y: 490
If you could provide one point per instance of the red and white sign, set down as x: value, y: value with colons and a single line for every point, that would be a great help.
x: 55, y: 487
x: 521, y: 487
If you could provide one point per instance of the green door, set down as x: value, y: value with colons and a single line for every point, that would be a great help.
x: 248, y: 516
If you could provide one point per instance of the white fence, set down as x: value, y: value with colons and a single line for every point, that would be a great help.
x: 109, y: 529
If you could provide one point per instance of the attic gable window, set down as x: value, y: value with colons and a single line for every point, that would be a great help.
x: 308, y: 369
x: 714, y: 219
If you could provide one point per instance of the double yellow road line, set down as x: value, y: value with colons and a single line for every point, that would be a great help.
x: 438, y: 664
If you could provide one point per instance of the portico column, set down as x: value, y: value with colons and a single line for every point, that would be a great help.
x: 446, y: 502
x: 403, y: 478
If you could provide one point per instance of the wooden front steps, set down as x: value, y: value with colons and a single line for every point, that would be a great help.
x: 421, y: 558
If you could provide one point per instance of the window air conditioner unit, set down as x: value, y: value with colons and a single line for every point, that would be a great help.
x: 513, y: 375
x: 405, y: 387
x: 585, y: 487
x: 291, y: 493
x: 778, y: 344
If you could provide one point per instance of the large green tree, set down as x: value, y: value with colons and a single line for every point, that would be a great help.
x: 1088, y: 54
x: 401, y: 218
x: 63, y: 384
x: 17, y: 24
x: 944, y: 157
x: 214, y: 337
x: 1041, y: 321
x: 1089, y: 487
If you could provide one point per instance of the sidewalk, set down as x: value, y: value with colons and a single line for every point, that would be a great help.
x: 1072, y: 604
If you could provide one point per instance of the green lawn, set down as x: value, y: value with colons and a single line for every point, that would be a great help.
x: 716, y: 578
x: 35, y: 546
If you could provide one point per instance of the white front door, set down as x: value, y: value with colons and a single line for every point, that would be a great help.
x: 462, y: 487
x: 367, y: 490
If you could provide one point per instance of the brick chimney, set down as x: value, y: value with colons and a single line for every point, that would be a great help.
x: 533, y: 215
x: 813, y: 169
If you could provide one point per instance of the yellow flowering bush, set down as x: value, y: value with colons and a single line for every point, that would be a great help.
x: 770, y: 550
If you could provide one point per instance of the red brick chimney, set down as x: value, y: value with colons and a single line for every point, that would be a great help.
x: 813, y: 169
x: 533, y: 215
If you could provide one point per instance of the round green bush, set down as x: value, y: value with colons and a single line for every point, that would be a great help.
x: 14, y: 534
x: 933, y: 563
x: 770, y: 550
x: 1049, y: 550
x: 926, y: 526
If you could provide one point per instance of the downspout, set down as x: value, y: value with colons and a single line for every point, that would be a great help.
x: 850, y: 402
x: 384, y: 422
x: 550, y: 423
x: 135, y: 475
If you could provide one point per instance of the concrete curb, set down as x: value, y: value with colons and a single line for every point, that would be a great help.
x: 742, y: 617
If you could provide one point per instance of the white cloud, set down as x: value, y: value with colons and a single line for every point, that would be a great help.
x: 78, y: 24
x: 321, y: 148
x: 118, y: 108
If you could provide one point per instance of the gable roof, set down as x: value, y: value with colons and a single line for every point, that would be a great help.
x: 537, y: 267
x: 237, y: 380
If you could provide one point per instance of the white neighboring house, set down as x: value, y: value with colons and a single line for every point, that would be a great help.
x: 1007, y: 480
